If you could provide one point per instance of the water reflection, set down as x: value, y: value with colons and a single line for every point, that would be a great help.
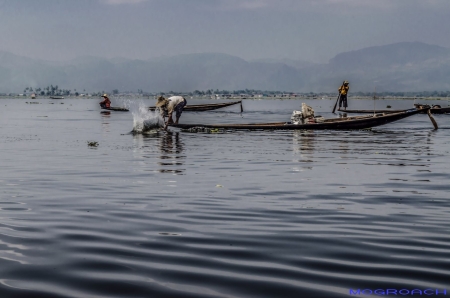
x: 303, y: 141
x: 164, y: 149
x: 171, y: 148
x: 106, y: 115
x: 430, y: 137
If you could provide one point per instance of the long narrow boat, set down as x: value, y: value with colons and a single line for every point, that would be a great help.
x: 117, y: 109
x: 358, y: 122
x: 433, y: 110
x: 193, y: 108
x: 206, y: 107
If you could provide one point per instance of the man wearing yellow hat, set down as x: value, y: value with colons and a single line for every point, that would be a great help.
x: 169, y: 105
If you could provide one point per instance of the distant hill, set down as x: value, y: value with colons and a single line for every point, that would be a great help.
x: 406, y: 66
x: 388, y: 56
x: 299, y: 64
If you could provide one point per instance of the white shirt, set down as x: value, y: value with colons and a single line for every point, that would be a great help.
x: 173, y: 101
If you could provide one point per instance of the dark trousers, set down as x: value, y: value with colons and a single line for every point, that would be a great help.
x: 179, y: 108
x: 343, y: 101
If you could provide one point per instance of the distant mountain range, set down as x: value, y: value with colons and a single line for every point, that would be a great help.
x: 405, y: 66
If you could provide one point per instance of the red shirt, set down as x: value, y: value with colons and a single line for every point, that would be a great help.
x: 106, y: 102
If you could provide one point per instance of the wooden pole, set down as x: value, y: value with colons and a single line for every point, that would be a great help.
x: 432, y: 119
x: 335, y: 105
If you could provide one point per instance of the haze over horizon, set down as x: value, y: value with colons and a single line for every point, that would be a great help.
x: 308, y: 30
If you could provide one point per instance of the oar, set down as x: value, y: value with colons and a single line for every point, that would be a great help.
x: 242, y: 109
x: 335, y: 105
x: 432, y: 119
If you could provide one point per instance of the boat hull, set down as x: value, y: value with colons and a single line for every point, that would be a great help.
x: 205, y: 107
x: 192, y: 108
x: 347, y: 123
x: 117, y: 109
x: 433, y: 110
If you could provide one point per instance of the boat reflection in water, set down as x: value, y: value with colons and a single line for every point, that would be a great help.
x: 303, y: 146
x: 303, y: 141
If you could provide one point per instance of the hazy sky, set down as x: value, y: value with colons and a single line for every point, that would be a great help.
x: 313, y: 30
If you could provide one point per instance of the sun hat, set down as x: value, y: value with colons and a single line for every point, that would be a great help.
x: 161, y: 101
x: 105, y: 95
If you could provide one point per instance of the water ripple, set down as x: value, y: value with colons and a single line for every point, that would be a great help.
x: 239, y: 214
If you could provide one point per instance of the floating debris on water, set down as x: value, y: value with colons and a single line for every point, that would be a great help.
x: 169, y: 234
x: 199, y: 129
x: 92, y: 144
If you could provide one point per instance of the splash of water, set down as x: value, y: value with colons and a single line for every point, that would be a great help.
x: 144, y: 121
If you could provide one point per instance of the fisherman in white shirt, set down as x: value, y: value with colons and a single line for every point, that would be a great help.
x: 169, y: 105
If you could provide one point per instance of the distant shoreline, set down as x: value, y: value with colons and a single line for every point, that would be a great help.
x: 233, y: 98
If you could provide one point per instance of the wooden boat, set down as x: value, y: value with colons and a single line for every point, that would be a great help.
x: 207, y: 107
x: 117, y: 109
x: 434, y: 110
x: 194, y: 108
x: 56, y: 97
x: 358, y: 122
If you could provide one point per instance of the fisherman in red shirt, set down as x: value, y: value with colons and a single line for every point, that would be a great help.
x: 106, y: 103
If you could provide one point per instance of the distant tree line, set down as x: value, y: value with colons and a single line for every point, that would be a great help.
x: 405, y: 94
x: 51, y: 91
x: 307, y: 94
x: 225, y: 92
x: 56, y: 91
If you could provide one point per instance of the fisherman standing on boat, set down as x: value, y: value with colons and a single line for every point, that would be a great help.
x: 168, y: 106
x: 343, y: 90
x: 106, y: 103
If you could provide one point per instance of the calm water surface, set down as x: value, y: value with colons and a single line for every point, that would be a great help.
x: 239, y: 214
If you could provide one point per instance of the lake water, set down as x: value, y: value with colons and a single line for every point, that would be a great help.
x: 238, y: 214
